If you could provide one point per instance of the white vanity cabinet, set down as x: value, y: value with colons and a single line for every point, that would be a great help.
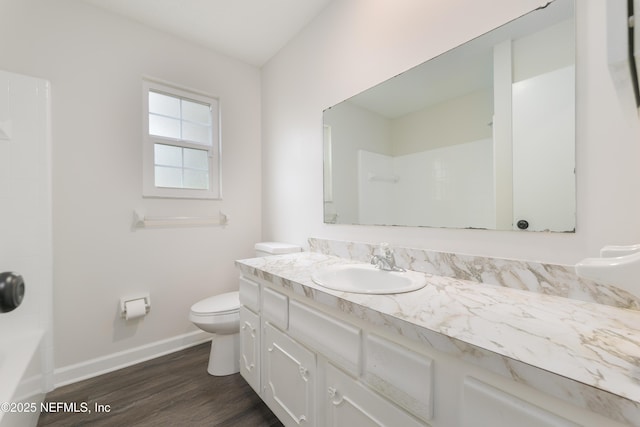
x: 309, y: 366
x: 317, y: 366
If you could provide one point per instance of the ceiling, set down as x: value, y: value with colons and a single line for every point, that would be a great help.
x: 249, y: 30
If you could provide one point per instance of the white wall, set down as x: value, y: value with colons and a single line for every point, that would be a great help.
x: 355, y: 44
x: 95, y: 62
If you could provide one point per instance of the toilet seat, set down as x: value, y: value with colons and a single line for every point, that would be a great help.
x: 213, y: 318
x: 219, y: 314
x: 228, y: 303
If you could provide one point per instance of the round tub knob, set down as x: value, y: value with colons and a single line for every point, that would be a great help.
x: 11, y: 291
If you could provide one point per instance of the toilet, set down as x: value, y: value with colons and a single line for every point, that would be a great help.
x: 220, y: 315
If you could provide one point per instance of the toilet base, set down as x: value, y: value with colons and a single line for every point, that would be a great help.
x: 224, y: 358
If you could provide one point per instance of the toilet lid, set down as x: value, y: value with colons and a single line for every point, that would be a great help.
x: 277, y: 248
x: 218, y: 304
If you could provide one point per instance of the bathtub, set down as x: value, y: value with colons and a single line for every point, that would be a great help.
x: 26, y: 334
x: 21, y: 378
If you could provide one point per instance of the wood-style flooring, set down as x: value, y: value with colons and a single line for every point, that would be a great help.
x: 172, y: 390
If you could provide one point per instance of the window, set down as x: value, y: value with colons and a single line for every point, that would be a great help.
x: 181, y: 144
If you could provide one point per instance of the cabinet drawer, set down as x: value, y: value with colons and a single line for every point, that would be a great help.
x: 349, y: 403
x: 250, y: 294
x: 404, y: 376
x: 275, y: 308
x: 335, y: 339
x: 484, y: 405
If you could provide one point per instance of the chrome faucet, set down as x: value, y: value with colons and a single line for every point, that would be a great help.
x: 386, y: 261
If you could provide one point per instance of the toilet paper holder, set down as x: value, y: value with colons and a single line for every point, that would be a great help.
x: 125, y: 300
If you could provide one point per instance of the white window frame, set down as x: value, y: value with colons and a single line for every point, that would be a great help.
x: 149, y: 189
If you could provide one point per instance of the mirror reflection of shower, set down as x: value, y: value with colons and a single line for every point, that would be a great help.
x: 330, y: 213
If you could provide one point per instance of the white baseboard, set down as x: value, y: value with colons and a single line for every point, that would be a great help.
x: 112, y: 362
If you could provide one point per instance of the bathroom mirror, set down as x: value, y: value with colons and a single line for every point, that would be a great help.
x: 482, y: 136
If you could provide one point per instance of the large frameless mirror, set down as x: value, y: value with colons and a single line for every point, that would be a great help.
x: 482, y: 136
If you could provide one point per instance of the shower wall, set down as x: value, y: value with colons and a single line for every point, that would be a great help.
x: 445, y: 187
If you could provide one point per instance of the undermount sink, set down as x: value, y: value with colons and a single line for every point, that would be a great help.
x: 367, y: 279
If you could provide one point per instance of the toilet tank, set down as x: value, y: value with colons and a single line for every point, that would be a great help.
x: 275, y: 248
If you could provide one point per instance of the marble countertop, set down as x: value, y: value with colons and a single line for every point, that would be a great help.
x: 582, y: 352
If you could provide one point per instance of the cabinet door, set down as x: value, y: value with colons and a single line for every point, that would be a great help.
x: 250, y: 347
x: 289, y: 374
x: 350, y: 403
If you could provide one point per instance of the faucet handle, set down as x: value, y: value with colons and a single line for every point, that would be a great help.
x: 384, y: 248
x: 386, y: 261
